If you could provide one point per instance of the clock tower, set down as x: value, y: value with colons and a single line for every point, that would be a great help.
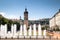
x: 26, y: 17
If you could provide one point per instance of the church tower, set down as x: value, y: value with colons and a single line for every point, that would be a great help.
x: 26, y: 17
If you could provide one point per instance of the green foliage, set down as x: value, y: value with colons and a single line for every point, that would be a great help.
x: 18, y: 25
x: 56, y: 29
x: 6, y: 21
x: 3, y: 20
x: 46, y: 27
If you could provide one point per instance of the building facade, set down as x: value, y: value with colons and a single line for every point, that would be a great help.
x: 55, y: 20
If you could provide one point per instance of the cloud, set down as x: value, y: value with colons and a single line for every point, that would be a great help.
x: 13, y: 17
x: 33, y: 18
x: 2, y: 13
x: 9, y: 16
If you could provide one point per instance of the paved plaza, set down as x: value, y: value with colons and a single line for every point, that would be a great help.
x: 33, y: 39
x: 54, y: 34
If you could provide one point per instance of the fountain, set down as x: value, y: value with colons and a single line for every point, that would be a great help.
x: 25, y: 30
x: 34, y: 31
x: 15, y: 34
x: 5, y: 30
x: 2, y: 31
x: 12, y: 29
x: 30, y: 31
x: 44, y: 33
x: 39, y: 31
x: 21, y: 31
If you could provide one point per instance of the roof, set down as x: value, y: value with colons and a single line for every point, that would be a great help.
x: 56, y: 13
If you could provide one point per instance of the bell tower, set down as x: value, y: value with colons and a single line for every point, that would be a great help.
x: 26, y: 17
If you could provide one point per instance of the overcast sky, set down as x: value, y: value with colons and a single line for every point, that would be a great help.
x: 37, y: 8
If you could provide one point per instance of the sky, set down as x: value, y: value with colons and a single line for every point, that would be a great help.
x: 37, y: 9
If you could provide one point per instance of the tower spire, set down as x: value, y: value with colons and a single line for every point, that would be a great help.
x: 20, y: 17
x: 25, y: 9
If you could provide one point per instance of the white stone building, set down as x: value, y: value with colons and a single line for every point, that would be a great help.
x: 55, y: 20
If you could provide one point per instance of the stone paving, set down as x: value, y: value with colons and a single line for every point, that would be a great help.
x: 32, y: 39
x: 54, y: 35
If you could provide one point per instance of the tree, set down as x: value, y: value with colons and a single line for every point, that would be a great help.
x: 3, y: 20
x: 46, y: 27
